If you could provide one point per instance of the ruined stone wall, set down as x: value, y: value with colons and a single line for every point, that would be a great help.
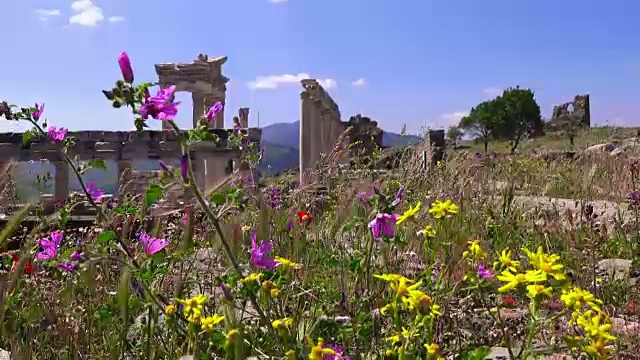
x: 365, y: 136
x: 579, y: 109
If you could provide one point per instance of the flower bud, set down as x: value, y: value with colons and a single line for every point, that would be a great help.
x: 125, y: 67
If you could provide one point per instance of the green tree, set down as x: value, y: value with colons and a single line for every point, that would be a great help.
x: 484, y: 121
x: 520, y: 115
x: 454, y: 133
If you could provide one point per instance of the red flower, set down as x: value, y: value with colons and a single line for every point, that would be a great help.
x: 304, y: 217
x: 28, y: 267
x: 509, y: 301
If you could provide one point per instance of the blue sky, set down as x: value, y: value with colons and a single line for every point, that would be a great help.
x: 422, y: 61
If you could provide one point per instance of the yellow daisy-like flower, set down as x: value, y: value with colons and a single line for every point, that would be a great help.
x: 506, y: 261
x: 193, y: 305
x: 576, y: 298
x: 421, y: 302
x: 598, y: 347
x: 428, y: 231
x: 546, y: 263
x: 318, y: 351
x: 440, y: 209
x: 596, y: 325
x: 409, y: 214
x: 433, y: 351
x: 474, y: 250
x: 208, y: 323
x: 514, y: 280
x: 170, y: 309
x: 286, y: 263
x: 536, y: 290
x: 253, y: 277
x: 282, y: 323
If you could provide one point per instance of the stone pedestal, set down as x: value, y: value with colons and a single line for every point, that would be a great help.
x: 215, y: 173
x: 61, y: 181
x: 199, y: 168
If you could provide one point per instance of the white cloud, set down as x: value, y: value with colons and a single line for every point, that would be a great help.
x: 274, y: 81
x: 87, y: 13
x: 492, y: 91
x: 359, y: 82
x: 44, y: 14
x: 454, y: 117
x: 115, y: 19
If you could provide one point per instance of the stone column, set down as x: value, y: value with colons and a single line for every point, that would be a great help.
x: 61, y: 178
x: 198, y: 108
x: 315, y: 140
x: 243, y: 116
x: 199, y: 168
x: 209, y: 101
x: 306, y: 119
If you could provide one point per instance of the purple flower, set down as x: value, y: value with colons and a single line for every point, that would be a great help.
x: 164, y: 166
x: 183, y: 167
x: 364, y: 197
x: 339, y: 349
x: 484, y: 273
x: 152, y: 245
x: 260, y: 254
x: 55, y: 135
x: 56, y: 237
x: 67, y: 266
x: 95, y: 192
x: 213, y: 111
x: 49, y: 247
x: 342, y: 319
x: 161, y: 106
x: 633, y: 198
x: 382, y: 225
x: 343, y: 298
x: 39, y: 110
x: 398, y: 198
x: 125, y: 67
x: 289, y: 225
x: 226, y: 292
x: 76, y: 256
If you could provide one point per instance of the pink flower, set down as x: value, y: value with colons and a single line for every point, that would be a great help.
x: 39, y: 110
x: 55, y: 135
x: 260, y: 254
x: 49, y: 247
x: 382, y: 225
x: 96, y: 193
x: 213, y: 111
x: 67, y: 266
x: 125, y: 67
x: 152, y: 245
x: 76, y: 256
x: 484, y: 273
x: 161, y: 106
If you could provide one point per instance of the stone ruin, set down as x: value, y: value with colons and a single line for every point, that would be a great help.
x: 203, y: 78
x: 365, y: 136
x: 321, y: 126
x: 579, y: 109
x: 437, y: 144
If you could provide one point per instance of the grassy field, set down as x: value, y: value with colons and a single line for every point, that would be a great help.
x: 479, y: 259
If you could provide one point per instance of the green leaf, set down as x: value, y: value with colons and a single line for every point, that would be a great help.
x: 154, y: 193
x: 479, y: 354
x: 26, y: 138
x: 218, y: 199
x: 97, y: 164
x: 106, y: 236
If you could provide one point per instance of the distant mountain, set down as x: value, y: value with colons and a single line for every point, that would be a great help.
x: 281, y: 142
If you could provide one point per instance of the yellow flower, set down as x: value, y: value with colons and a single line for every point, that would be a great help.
x: 514, y: 280
x: 534, y: 290
x: 282, y: 323
x: 428, y: 231
x: 421, y: 302
x: 596, y: 325
x: 505, y: 260
x: 474, y: 250
x: 193, y: 305
x: 318, y: 351
x: 286, y: 263
x: 433, y: 351
x: 440, y: 209
x: 598, y: 347
x: 170, y: 309
x: 208, y: 323
x: 233, y: 335
x: 409, y: 214
x: 290, y: 354
x: 275, y: 292
x: 546, y: 263
x: 576, y: 298
x: 246, y: 228
x: 251, y: 278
